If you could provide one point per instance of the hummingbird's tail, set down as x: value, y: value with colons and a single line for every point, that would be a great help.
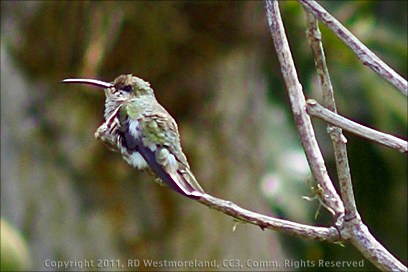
x: 173, y: 173
x: 190, y: 179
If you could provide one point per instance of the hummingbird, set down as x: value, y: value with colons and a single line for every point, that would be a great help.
x: 143, y: 132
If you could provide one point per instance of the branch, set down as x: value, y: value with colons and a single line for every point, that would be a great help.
x: 302, y: 119
x: 266, y: 222
x: 363, y: 53
x: 353, y: 228
x: 314, y: 109
x: 358, y: 234
x: 336, y: 134
x: 350, y: 225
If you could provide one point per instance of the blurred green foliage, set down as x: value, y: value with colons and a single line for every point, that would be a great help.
x: 15, y: 254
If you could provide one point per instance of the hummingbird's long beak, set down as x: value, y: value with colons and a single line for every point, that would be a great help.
x: 93, y: 82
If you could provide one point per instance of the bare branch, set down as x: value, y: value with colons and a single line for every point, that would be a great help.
x: 302, y: 119
x: 337, y: 137
x: 315, y: 40
x: 349, y: 222
x: 358, y: 234
x: 265, y: 222
x: 353, y: 228
x: 314, y: 109
x: 363, y: 53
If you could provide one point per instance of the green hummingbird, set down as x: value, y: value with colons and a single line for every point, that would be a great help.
x: 146, y: 135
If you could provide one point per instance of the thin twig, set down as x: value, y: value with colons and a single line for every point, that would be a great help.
x: 302, y: 119
x: 336, y: 135
x: 314, y: 109
x: 266, y: 222
x: 363, y: 53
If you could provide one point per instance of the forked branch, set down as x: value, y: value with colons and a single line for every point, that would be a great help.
x: 348, y: 221
x: 365, y: 55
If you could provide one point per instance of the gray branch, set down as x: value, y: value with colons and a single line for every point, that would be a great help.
x: 363, y: 53
x: 336, y: 134
x: 349, y: 224
x: 314, y: 109
x: 302, y: 119
x: 266, y: 222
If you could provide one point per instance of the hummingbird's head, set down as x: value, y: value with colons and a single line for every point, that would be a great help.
x: 131, y: 86
x: 123, y: 88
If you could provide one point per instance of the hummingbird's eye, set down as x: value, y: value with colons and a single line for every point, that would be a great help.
x: 127, y: 88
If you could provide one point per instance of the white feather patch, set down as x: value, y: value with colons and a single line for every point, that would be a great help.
x: 134, y: 128
x: 136, y: 160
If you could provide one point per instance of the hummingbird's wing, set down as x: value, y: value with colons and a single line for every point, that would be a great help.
x: 156, y: 138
